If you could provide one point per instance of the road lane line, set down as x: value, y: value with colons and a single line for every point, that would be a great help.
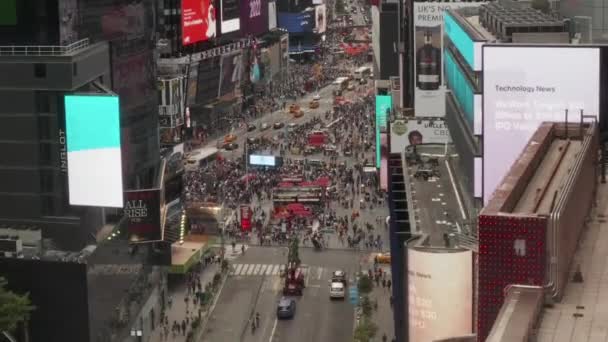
x: 237, y: 269
x: 275, y: 270
x: 320, y: 273
x: 257, y: 269
x: 269, y: 269
x: 263, y: 269
x: 274, y: 329
x: 244, y: 270
x: 250, y: 270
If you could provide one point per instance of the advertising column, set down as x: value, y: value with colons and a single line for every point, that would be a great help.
x: 428, y: 42
x: 440, y: 293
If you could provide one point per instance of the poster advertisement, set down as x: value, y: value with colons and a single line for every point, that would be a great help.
x: 320, y: 22
x: 440, y: 293
x: 405, y: 133
x: 230, y: 73
x: 254, y: 17
x: 246, y: 214
x: 198, y: 21
x: 272, y: 15
x: 143, y: 210
x: 231, y: 20
x: 384, y: 104
x: 428, y: 43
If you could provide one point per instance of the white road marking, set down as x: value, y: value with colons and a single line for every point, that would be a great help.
x: 257, y: 269
x: 263, y: 269
x: 274, y: 329
x: 245, y: 268
x: 269, y: 269
x: 238, y: 268
x: 320, y: 273
x: 250, y: 270
x: 275, y: 270
x: 456, y: 193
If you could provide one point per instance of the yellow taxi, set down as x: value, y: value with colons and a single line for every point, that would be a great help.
x: 382, y: 258
x: 229, y: 138
x: 298, y: 114
x: 293, y: 108
x: 313, y: 104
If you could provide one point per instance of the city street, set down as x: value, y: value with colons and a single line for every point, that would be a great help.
x: 317, y: 317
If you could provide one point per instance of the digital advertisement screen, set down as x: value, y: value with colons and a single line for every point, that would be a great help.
x: 231, y: 21
x: 320, y: 20
x: 525, y: 86
x: 198, y: 21
x: 384, y: 103
x: 94, y: 155
x: 440, y: 293
x: 414, y: 132
x: 468, y: 48
x: 254, y: 17
x: 272, y: 15
x: 143, y: 210
x: 259, y: 160
x: 297, y: 22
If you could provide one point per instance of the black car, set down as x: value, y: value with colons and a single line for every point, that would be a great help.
x: 252, y: 140
x: 230, y: 146
x: 286, y: 308
x: 278, y: 125
x: 251, y: 128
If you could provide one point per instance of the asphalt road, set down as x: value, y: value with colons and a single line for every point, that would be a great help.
x: 317, y: 317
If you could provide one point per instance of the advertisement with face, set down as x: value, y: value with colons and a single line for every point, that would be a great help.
x: 320, y: 22
x: 198, y: 21
x: 231, y: 21
x: 254, y: 17
x: 231, y: 73
x: 272, y: 15
x: 143, y: 208
x: 440, y: 293
x: 405, y: 133
x: 524, y: 86
x: 428, y: 42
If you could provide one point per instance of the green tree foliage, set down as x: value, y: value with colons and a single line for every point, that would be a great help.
x: 366, y: 306
x: 365, y: 284
x: 366, y: 330
x: 13, y: 308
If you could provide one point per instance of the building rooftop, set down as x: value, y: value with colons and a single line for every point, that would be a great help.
x: 582, y: 315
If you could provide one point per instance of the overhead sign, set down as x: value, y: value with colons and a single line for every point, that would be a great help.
x: 524, y: 86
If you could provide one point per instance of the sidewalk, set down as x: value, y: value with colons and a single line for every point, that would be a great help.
x: 177, y: 311
x: 383, y: 317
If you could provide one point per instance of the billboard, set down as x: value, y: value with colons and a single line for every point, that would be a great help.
x: 418, y: 131
x: 384, y: 155
x: 440, y: 293
x: 198, y: 21
x: 297, y: 22
x: 260, y: 160
x: 428, y: 42
x: 143, y: 211
x: 231, y: 16
x: 462, y: 41
x: 272, y: 15
x: 246, y: 214
x: 230, y: 73
x: 526, y: 85
x: 254, y: 17
x: 94, y: 155
x: 320, y: 19
x: 384, y: 103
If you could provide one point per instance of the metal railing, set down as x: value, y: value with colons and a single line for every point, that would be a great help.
x: 43, y: 50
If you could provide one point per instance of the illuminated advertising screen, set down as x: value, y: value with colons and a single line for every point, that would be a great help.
x: 440, y: 293
x: 384, y: 161
x: 462, y: 41
x: 526, y: 85
x: 143, y: 211
x: 418, y: 131
x: 231, y: 16
x: 297, y: 22
x: 94, y: 155
x: 259, y: 160
x: 254, y: 17
x: 198, y: 21
x: 384, y: 104
x: 272, y: 15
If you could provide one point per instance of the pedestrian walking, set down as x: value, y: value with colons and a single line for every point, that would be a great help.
x: 388, y: 284
x: 383, y: 283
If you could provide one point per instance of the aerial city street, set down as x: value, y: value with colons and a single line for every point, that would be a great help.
x: 303, y: 171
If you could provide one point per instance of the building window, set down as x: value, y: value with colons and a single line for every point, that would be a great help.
x: 40, y: 70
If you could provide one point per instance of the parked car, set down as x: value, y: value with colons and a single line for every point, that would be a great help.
x: 286, y: 309
x: 251, y: 128
x: 230, y: 146
x: 278, y: 125
x: 264, y: 126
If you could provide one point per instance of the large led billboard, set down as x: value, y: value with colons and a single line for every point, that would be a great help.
x: 320, y: 20
x: 94, y: 156
x: 462, y: 41
x: 297, y: 22
x: 440, y: 293
x: 418, y: 131
x: 428, y: 41
x: 143, y: 211
x: 231, y: 16
x: 198, y: 21
x: 254, y: 17
x: 384, y: 103
x: 526, y: 85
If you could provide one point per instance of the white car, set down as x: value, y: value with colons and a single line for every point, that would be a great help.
x: 291, y: 127
x: 351, y: 87
x: 336, y: 290
x: 264, y: 126
x: 317, y: 97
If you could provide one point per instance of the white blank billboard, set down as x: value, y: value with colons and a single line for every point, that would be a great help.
x: 440, y: 293
x: 524, y: 86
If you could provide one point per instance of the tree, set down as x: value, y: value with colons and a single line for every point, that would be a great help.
x: 365, y: 284
x: 365, y: 331
x: 366, y: 306
x: 14, y: 308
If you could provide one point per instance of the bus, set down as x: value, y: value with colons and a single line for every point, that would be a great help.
x: 363, y: 72
x: 341, y: 83
x: 202, y: 157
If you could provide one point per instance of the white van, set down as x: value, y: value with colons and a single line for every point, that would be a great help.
x: 336, y: 290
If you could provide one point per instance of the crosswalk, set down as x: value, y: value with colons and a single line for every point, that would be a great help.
x: 260, y: 269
